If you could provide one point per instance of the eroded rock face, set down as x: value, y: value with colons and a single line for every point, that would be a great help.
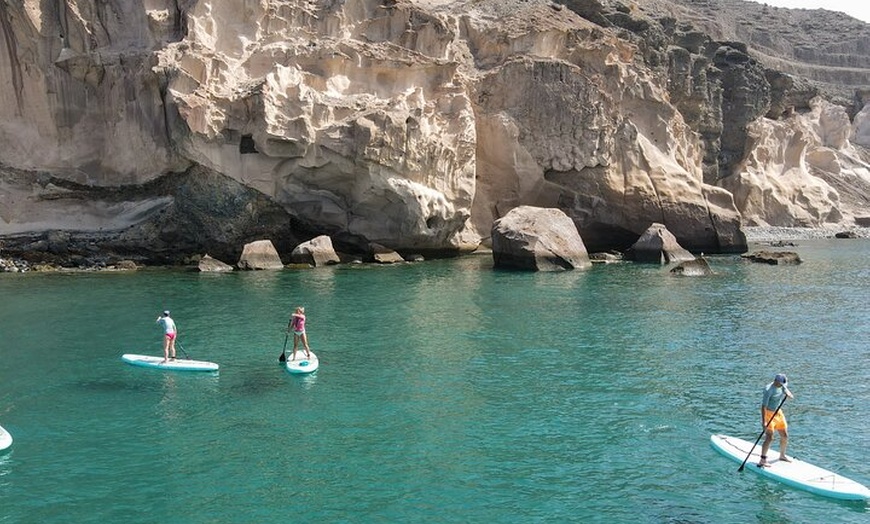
x: 78, y: 97
x: 538, y: 239
x: 410, y: 123
x: 356, y: 117
x: 798, y: 169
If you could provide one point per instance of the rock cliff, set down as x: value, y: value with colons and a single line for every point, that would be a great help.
x: 156, y: 129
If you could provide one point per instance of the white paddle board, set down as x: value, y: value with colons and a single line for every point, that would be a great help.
x: 302, y: 364
x: 180, y: 364
x: 5, y: 439
x: 797, y: 473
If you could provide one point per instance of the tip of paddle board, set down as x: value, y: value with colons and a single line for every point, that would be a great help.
x: 5, y: 439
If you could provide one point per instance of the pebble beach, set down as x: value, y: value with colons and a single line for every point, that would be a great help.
x: 780, y: 234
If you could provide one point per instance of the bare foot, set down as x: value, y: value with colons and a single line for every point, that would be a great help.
x: 784, y: 459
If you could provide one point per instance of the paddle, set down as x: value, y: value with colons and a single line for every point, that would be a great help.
x: 182, y: 350
x: 283, y: 357
x: 763, y: 431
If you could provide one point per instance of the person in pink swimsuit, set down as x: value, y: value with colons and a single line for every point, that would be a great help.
x: 297, y: 324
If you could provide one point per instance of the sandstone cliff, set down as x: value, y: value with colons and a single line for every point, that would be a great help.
x: 161, y: 128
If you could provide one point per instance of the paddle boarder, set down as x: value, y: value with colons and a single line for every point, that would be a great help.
x: 773, y: 418
x: 169, y: 334
x: 297, y: 324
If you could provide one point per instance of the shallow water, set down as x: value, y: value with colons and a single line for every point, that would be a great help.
x: 447, y: 392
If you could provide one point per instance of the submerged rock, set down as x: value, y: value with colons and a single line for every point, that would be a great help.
x: 698, y: 267
x: 774, y: 257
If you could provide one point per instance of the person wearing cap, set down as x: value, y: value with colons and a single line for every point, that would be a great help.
x: 169, y: 335
x: 773, y: 418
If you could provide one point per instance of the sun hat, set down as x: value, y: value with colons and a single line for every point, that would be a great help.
x: 781, y: 378
x: 166, y: 313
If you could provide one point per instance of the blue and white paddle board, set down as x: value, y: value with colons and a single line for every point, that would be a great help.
x: 797, y: 473
x: 302, y: 364
x: 149, y: 361
x: 5, y: 439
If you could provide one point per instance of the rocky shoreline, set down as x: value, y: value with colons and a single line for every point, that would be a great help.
x: 756, y: 234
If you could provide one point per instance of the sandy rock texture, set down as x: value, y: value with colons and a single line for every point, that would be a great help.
x: 157, y: 129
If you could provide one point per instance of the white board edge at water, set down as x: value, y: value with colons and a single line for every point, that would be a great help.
x: 797, y: 473
x: 150, y: 361
x: 302, y: 364
x: 5, y: 439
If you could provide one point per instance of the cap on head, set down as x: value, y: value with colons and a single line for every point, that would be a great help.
x: 166, y: 313
x: 781, y: 378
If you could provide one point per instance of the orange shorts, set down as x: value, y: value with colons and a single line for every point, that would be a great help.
x: 778, y: 423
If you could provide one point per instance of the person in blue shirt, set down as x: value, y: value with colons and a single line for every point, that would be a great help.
x: 169, y: 334
x: 773, y: 418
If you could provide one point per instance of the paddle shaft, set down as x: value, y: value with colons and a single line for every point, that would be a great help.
x: 182, y: 350
x: 283, y: 357
x: 763, y: 431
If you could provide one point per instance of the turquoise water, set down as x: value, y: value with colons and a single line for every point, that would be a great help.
x: 447, y: 392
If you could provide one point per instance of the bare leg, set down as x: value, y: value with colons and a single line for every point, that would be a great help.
x: 305, y: 341
x: 295, y: 345
x: 165, y: 349
x: 768, y: 438
x: 783, y: 444
x: 172, y: 349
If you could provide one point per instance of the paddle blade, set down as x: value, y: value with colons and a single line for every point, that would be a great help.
x: 282, y: 358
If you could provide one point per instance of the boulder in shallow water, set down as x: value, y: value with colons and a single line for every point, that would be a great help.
x: 126, y: 265
x: 207, y: 264
x: 260, y: 254
x: 659, y: 246
x: 384, y: 255
x: 774, y: 257
x: 693, y: 268
x: 316, y: 252
x: 537, y: 239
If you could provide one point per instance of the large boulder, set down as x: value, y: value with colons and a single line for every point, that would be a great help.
x: 212, y: 265
x: 260, y: 254
x: 317, y: 252
x: 384, y: 255
x: 537, y: 239
x: 660, y: 246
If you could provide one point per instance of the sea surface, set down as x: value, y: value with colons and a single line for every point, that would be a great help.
x: 447, y: 392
